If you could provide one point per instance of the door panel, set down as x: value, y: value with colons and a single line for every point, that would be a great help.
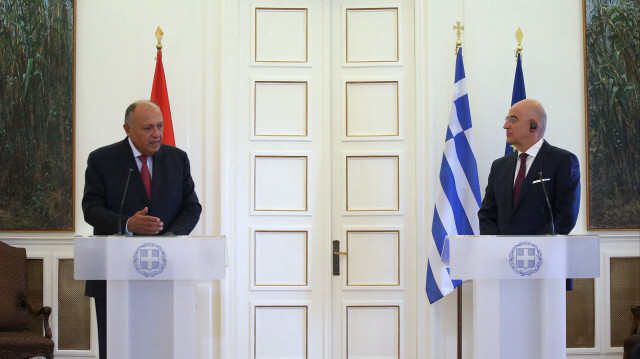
x: 373, y: 301
x: 280, y: 180
x: 325, y: 106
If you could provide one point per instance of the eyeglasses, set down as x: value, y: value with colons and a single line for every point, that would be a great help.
x: 511, y: 119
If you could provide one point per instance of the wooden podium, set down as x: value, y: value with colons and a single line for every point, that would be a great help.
x: 519, y: 290
x: 151, y: 301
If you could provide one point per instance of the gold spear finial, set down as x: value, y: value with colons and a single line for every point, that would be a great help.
x: 159, y: 34
x: 459, y: 33
x: 519, y: 38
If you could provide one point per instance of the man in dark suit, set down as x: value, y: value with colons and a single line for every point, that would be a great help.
x: 160, y: 199
x: 512, y: 209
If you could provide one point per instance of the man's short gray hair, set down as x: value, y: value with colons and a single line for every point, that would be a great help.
x: 132, y: 107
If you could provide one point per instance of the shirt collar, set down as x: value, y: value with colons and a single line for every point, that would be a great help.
x: 135, y: 151
x: 533, y: 150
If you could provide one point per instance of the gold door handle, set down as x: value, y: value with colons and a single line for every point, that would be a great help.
x: 340, y: 253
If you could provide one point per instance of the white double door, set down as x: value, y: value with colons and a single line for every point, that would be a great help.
x: 325, y: 148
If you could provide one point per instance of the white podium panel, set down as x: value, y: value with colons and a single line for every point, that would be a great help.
x: 151, y: 301
x: 519, y: 290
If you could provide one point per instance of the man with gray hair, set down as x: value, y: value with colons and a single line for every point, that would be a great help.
x: 137, y: 186
x: 515, y: 202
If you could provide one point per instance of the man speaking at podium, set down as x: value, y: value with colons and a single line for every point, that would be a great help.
x: 137, y: 186
x: 536, y: 189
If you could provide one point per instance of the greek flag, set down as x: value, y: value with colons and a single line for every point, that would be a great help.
x: 458, y: 192
x: 518, y: 94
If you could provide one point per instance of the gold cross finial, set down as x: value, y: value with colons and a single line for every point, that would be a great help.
x: 458, y: 27
x: 458, y: 33
x: 519, y: 38
x: 159, y: 34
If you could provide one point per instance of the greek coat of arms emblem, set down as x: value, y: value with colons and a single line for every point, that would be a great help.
x: 149, y: 259
x: 525, y: 258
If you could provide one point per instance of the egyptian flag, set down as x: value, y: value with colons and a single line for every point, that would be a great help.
x: 160, y: 96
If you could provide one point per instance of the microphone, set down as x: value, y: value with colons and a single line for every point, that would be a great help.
x: 546, y: 196
x: 124, y: 195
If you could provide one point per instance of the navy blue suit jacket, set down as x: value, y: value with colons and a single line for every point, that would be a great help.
x: 530, y: 213
x: 173, y: 197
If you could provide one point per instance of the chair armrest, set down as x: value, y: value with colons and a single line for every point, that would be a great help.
x: 45, y: 311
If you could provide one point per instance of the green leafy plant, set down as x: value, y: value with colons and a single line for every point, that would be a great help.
x: 613, y: 80
x: 36, y: 114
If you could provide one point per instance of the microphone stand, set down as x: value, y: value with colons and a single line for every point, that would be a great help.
x: 546, y: 196
x: 124, y: 195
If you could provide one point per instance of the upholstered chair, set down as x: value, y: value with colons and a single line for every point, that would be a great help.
x: 16, y: 342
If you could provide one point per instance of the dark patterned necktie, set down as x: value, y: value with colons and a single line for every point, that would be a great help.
x: 146, y: 175
x: 520, y: 178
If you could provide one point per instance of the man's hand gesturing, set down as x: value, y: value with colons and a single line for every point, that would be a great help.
x: 140, y: 223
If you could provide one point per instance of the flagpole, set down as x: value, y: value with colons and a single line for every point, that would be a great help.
x: 519, y: 92
x: 460, y: 321
x: 159, y: 94
x: 459, y: 29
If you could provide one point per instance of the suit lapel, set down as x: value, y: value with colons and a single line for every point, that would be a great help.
x: 158, y: 176
x: 508, y: 177
x: 124, y: 158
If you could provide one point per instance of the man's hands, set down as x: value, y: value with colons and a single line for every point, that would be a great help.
x: 140, y: 223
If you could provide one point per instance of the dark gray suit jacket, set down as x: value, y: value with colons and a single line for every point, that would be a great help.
x: 530, y: 214
x: 174, y: 199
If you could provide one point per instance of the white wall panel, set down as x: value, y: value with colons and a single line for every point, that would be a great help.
x: 280, y: 258
x: 280, y: 183
x: 280, y: 331
x: 372, y: 35
x: 372, y: 108
x: 280, y: 35
x: 373, y: 331
x: 280, y: 108
x: 373, y: 183
x: 374, y: 258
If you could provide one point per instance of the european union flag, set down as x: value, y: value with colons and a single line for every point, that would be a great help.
x: 517, y: 95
